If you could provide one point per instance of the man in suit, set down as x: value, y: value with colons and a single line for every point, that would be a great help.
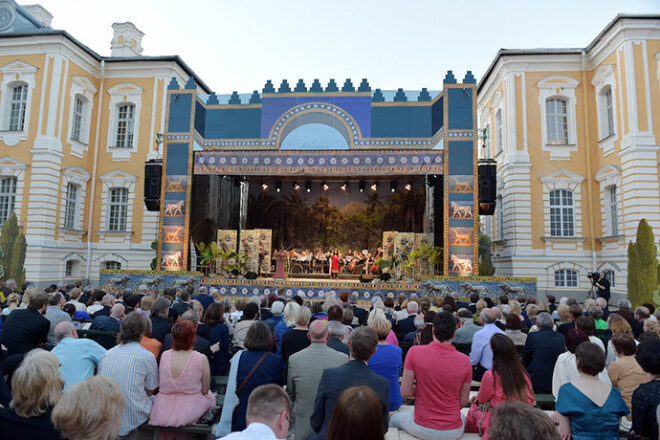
x: 541, y: 351
x: 25, y: 329
x: 202, y: 345
x: 467, y: 329
x: 576, y: 312
x: 107, y: 302
x: 305, y: 369
x: 160, y: 326
x: 337, y: 332
x: 108, y: 323
x: 358, y: 312
x: 407, y: 325
x: 334, y: 381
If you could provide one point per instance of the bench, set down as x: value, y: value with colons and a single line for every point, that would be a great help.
x: 105, y: 338
x: 545, y: 401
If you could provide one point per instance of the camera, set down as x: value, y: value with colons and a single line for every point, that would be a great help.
x: 593, y: 276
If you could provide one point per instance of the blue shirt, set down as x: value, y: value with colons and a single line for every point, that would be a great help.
x: 481, y: 353
x: 387, y: 362
x: 78, y: 358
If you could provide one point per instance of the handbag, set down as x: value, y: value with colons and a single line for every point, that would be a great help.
x: 484, y: 408
x: 476, y: 415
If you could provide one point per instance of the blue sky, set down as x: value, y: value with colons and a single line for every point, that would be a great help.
x: 239, y: 44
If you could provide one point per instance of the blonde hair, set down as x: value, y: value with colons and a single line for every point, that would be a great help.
x: 75, y: 293
x: 290, y: 312
x: 28, y: 293
x: 90, y: 410
x: 564, y: 313
x: 36, y: 384
x: 590, y: 302
x: 379, y: 323
x: 532, y: 311
x: 651, y: 325
x: 197, y: 306
x: 13, y: 298
x: 481, y: 304
x: 146, y: 302
x: 618, y: 324
x: 303, y: 315
x: 543, y: 307
x: 516, y: 308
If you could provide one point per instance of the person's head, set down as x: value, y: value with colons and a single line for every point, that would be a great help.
x: 544, y: 320
x: 337, y: 329
x: 413, y: 307
x: 317, y: 307
x: 513, y: 322
x: 357, y: 416
x: 650, y: 307
x: 214, y: 314
x: 290, y: 311
x: 532, y: 312
x: 617, y: 324
x: 388, y: 303
x: 70, y: 309
x: 75, y: 294
x: 444, y: 326
x: 190, y: 316
x: 183, y: 336
x: 563, y: 313
x: 481, y: 304
x: 575, y: 311
x: 11, y: 283
x: 161, y: 307
x: 379, y: 323
x: 648, y: 356
x: 503, y: 299
x: 590, y: 358
x: 575, y: 337
x: 146, y: 303
x: 251, y: 311
x: 487, y: 316
x: 117, y: 311
x: 335, y: 313
x: 516, y: 308
x: 518, y: 420
x: 642, y: 313
x: 586, y: 324
x: 303, y: 316
x: 270, y: 405
x: 595, y: 312
x: 624, y: 344
x: 645, y: 336
x: 508, y: 367
x: 624, y: 304
x: 108, y: 300
x: 258, y: 337
x: 36, y: 385
x: 449, y: 300
x: 343, y: 296
x: 347, y: 316
x: 601, y: 303
x: 185, y: 295
x: 277, y: 308
x: 132, y: 301
x: 551, y: 299
x: 651, y: 325
x: 363, y: 342
x: 90, y: 410
x: 318, y: 331
x: 464, y: 315
x: 38, y: 301
x: 65, y: 330
x: 132, y: 328
x: 13, y: 299
x: 474, y: 298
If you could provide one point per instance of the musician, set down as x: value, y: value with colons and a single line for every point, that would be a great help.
x: 375, y: 268
x: 334, y: 265
x: 262, y: 255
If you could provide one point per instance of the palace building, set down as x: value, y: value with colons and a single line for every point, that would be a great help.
x: 575, y: 136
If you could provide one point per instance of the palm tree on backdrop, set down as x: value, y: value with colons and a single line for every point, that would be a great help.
x: 405, y: 209
x: 297, y: 214
x: 325, y: 217
x: 374, y: 202
x: 264, y: 210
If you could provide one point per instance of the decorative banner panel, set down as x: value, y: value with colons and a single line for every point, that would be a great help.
x: 265, y: 237
x: 250, y: 249
x: 227, y: 239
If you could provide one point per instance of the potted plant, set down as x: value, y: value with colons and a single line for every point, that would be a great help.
x: 208, y: 257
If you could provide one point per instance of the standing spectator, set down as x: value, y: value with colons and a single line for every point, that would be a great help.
x: 516, y: 420
x: 565, y: 368
x: 646, y: 397
x: 184, y: 304
x: 287, y: 323
x: 334, y: 381
x: 388, y: 359
x: 541, y: 351
x: 514, y: 330
x: 185, y: 379
x: 78, y: 358
x: 587, y: 407
x: 203, y: 297
x: 75, y: 300
x: 55, y: 315
x: 36, y: 389
x: 467, y: 328
x: 160, y: 326
x: 481, y: 355
x: 338, y: 334
x: 133, y: 368
x: 407, y: 324
x: 304, y: 374
x: 357, y: 416
x: 296, y: 339
x: 26, y: 329
x: 218, y: 334
x: 250, y: 316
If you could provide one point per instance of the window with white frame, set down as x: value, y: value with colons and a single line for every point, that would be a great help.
x: 123, y: 132
x: 125, y: 124
x: 608, y: 111
x: 7, y: 197
x: 70, y: 203
x: 117, y: 209
x: 500, y: 219
x: 557, y: 102
x: 566, y: 278
x: 81, y: 97
x: 78, y: 115
x: 499, y: 134
x: 72, y: 268
x: 111, y: 265
x: 556, y: 115
x: 17, y: 107
x: 609, y: 275
x: 604, y: 82
x: 612, y: 209
x: 562, y: 213
x: 16, y: 90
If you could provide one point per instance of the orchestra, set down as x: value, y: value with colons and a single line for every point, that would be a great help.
x: 333, y: 262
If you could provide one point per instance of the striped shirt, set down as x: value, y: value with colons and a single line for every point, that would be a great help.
x: 134, y: 369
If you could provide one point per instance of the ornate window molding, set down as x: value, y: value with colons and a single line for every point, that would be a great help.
x: 608, y: 177
x: 10, y: 167
x: 605, y: 85
x: 563, y: 180
x: 499, y: 133
x: 79, y: 177
x: 15, y: 74
x: 122, y: 94
x: 83, y: 89
x: 553, y: 269
x: 563, y: 88
x: 117, y: 179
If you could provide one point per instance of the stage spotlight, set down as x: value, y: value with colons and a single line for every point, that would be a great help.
x: 264, y: 186
x: 393, y: 186
x: 408, y: 186
x: 374, y: 187
x: 296, y: 187
x: 361, y: 185
x: 278, y: 186
x: 308, y: 186
x: 326, y: 187
x: 344, y: 187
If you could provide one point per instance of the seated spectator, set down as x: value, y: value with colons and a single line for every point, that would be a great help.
x: 109, y: 323
x: 151, y: 344
x: 338, y: 334
x: 481, y: 356
x: 391, y: 337
x: 335, y: 313
x: 407, y: 325
x: 268, y: 415
x: 94, y: 304
x: 516, y: 309
x: 472, y: 306
x: 318, y: 312
x: 250, y: 316
x: 202, y: 345
x: 566, y: 369
x: 563, y: 315
x: 78, y: 358
x: 507, y: 381
x: 597, y: 314
x: 160, y: 326
x: 237, y: 314
x: 443, y: 377
x: 618, y: 325
x: 334, y: 381
x: 357, y: 416
x: 645, y: 336
x: 24, y: 330
x: 601, y: 303
x: 296, y: 339
x: 276, y: 310
x: 218, y: 334
x: 90, y: 410
x: 641, y: 314
x: 587, y: 325
x: 36, y: 389
x: 589, y: 408
x: 388, y: 359
x: 132, y: 303
x: 531, y: 311
x: 287, y: 323
x: 12, y: 303
x: 651, y: 325
x: 184, y: 304
x: 419, y: 326
x: 146, y: 303
x: 624, y: 309
x: 575, y: 311
x: 203, y: 297
x: 541, y: 351
x: 467, y: 328
x: 647, y: 396
x: 425, y: 335
x: 55, y: 315
x: 517, y: 420
x: 107, y: 303
x: 514, y: 330
x: 133, y: 368
x: 185, y: 379
x: 625, y: 373
x: 348, y: 317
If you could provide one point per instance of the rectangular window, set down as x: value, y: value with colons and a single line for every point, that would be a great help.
x: 500, y: 219
x: 561, y: 213
x: 69, y: 269
x: 112, y: 265
x: 118, y: 201
x: 609, y: 112
x: 17, y: 108
x: 613, y: 210
x: 70, y: 206
x: 609, y: 275
x: 125, y: 125
x: 499, y: 140
x: 556, y: 114
x: 7, y: 197
x: 566, y: 278
x: 77, y: 119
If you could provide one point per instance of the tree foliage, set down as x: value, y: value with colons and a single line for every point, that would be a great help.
x: 13, y: 248
x: 642, y: 266
x: 485, y: 263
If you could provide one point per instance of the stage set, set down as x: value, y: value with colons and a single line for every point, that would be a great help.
x: 321, y: 189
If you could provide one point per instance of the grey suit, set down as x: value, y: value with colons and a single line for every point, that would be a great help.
x: 464, y: 334
x: 305, y: 370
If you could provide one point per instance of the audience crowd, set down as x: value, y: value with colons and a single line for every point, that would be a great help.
x: 81, y: 363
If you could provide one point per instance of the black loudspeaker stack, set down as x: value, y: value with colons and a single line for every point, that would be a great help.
x: 153, y: 173
x: 487, y: 186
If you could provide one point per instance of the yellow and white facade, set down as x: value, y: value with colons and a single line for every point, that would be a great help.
x: 76, y: 129
x: 576, y: 135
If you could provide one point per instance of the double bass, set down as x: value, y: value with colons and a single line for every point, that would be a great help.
x: 376, y: 267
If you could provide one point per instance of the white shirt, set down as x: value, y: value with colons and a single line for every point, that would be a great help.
x: 598, y: 342
x: 566, y: 371
x: 80, y: 307
x: 254, y: 431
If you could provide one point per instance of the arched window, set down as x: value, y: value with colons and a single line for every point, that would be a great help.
x: 556, y: 113
x: 566, y: 278
x: 562, y: 213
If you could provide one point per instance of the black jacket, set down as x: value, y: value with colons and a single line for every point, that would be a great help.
x: 336, y: 344
x: 160, y: 327
x: 406, y: 325
x: 202, y: 345
x: 106, y: 323
x: 23, y: 330
x: 336, y: 380
x: 540, y: 354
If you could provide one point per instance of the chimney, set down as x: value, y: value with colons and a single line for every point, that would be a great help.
x: 126, y: 41
x: 41, y: 14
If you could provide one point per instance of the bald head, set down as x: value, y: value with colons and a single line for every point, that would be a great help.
x: 488, y: 316
x: 108, y: 300
x: 318, y: 331
x: 65, y: 330
x: 117, y: 311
